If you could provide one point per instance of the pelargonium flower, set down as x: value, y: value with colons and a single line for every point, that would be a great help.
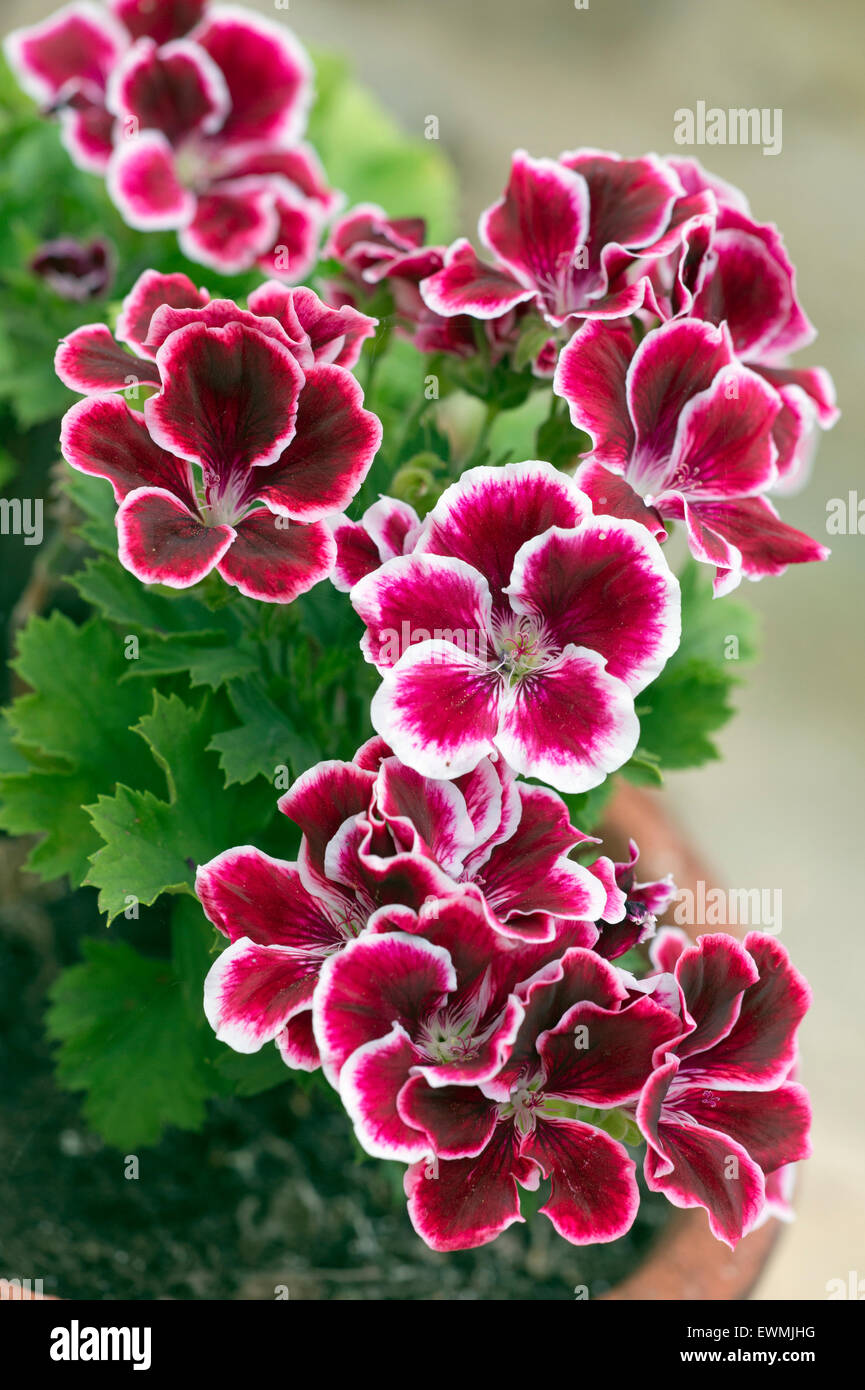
x: 566, y: 237
x: 75, y: 270
x: 416, y: 837
x: 682, y: 429
x: 581, y: 1042
x: 632, y: 909
x: 718, y: 1112
x: 386, y: 529
x: 728, y: 268
x: 275, y: 430
x: 194, y: 114
x: 521, y: 625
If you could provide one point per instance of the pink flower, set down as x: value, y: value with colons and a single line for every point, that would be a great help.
x: 632, y: 909
x: 194, y: 115
x: 681, y: 429
x: 718, y: 1112
x: 565, y: 237
x: 386, y: 529
x: 580, y: 1042
x: 521, y: 625
x: 253, y: 437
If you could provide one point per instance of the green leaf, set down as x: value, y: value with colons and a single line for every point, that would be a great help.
x: 153, y: 846
x: 265, y: 739
x: 123, y: 1024
x: 105, y: 584
x: 208, y: 658
x: 717, y: 630
x: 680, y: 711
x: 643, y: 769
x: 72, y: 738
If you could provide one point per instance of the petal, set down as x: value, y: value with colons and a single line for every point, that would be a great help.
x: 246, y: 893
x: 698, y: 1167
x: 229, y: 397
x: 162, y: 542
x: 426, y: 816
x: 78, y: 43
x: 87, y: 134
x: 672, y: 364
x: 817, y: 385
x: 103, y: 437
x: 299, y: 165
x: 90, y: 360
x: 463, y: 1203
x: 762, y: 543
x: 376, y: 982
x: 772, y: 1126
x: 458, y: 1121
x: 150, y: 292
x: 613, y: 496
x: 356, y: 553
x: 251, y: 991
x: 294, y: 252
x: 268, y: 74
x: 331, y: 453
x: 216, y: 313
x: 438, y: 708
x: 296, y: 1043
x: 603, y: 1057
x: 231, y: 226
x: 713, y: 976
x: 176, y: 89
x: 331, y: 335
x: 401, y: 597
x: 143, y: 183
x: 485, y: 517
x: 539, y: 225
x: 760, y: 1048
x: 594, y: 1195
x: 570, y: 724
x: 630, y: 199
x: 590, y: 376
x: 466, y: 285
x: 605, y: 586
x: 276, y: 560
x: 369, y: 1086
x: 723, y: 446
x: 319, y: 802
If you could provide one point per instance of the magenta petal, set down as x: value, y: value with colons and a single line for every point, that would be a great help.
x: 161, y: 20
x: 603, y: 1057
x: 321, y: 334
x: 268, y: 74
x: 369, y: 1087
x: 143, y: 183
x: 356, y: 553
x: 162, y: 542
x: 275, y: 560
x: 458, y: 1121
x: 251, y: 991
x: 376, y: 982
x: 712, y: 976
x: 748, y: 289
x: 233, y: 224
x: 466, y: 285
x: 319, y: 802
x: 594, y: 1196
x: 91, y: 360
x: 773, y: 1126
x: 414, y: 709
x: 79, y: 43
x: 427, y: 816
x: 462, y: 1203
x: 176, y: 89
x: 630, y: 199
x: 418, y: 598
x: 590, y: 376
x: 229, y: 397
x: 246, y: 893
x: 103, y: 437
x: 485, y: 517
x: 760, y: 1048
x: 762, y: 543
x: 613, y: 496
x: 298, y: 230
x: 723, y: 446
x: 570, y: 724
x: 150, y: 292
x: 606, y: 586
x: 539, y: 226
x: 296, y: 1043
x: 87, y: 134
x: 331, y: 453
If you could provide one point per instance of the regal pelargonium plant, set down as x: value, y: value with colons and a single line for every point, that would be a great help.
x: 407, y: 528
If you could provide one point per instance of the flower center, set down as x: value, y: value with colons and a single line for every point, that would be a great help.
x: 522, y: 646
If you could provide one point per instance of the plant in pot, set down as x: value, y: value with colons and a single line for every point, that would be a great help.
x: 385, y: 577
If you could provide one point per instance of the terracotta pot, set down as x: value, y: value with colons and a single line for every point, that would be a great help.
x: 687, y: 1263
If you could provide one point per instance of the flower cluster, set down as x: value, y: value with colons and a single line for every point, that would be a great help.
x: 640, y: 276
x: 194, y: 114
x: 260, y: 401
x: 438, y: 952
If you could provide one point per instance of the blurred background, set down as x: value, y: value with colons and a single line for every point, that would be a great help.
x: 783, y: 810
